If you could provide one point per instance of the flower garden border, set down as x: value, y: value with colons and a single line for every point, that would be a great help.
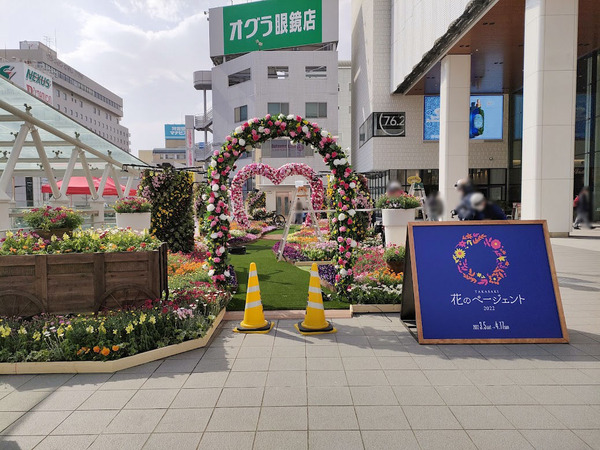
x: 298, y: 129
x: 127, y: 362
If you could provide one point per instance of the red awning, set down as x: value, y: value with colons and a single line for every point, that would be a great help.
x: 79, y: 186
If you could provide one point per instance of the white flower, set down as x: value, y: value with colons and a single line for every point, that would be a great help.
x: 336, y: 162
x: 353, y: 244
x: 213, y: 163
x: 221, y: 250
x: 238, y: 130
x: 215, y: 187
x: 242, y: 142
x: 214, y: 236
x: 352, y: 212
x: 343, y: 272
x: 305, y: 129
x: 204, y: 197
x: 226, y: 273
x: 211, y: 272
x: 324, y: 133
x: 223, y: 217
x: 290, y: 117
x: 216, y: 194
x: 342, y: 216
x: 352, y: 184
x: 215, y: 175
x: 342, y: 160
x: 261, y: 129
x: 210, y: 207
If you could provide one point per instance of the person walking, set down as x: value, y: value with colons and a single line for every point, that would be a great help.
x: 582, y: 205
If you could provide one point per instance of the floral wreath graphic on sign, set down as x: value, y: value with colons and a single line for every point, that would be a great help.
x: 472, y: 274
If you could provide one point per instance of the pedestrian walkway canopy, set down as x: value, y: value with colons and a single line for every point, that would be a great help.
x: 37, y: 140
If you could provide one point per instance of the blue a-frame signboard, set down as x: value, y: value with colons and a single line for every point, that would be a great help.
x: 482, y: 282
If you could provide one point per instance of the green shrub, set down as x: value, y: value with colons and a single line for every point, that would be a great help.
x: 50, y: 218
x: 394, y: 254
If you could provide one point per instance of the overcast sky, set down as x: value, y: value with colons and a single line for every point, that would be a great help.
x: 143, y: 50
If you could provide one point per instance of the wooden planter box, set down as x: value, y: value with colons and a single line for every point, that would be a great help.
x: 375, y: 308
x: 80, y: 282
x: 110, y: 366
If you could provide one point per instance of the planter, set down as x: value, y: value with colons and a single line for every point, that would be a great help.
x: 395, y: 223
x: 110, y: 366
x: 383, y: 308
x: 58, y: 232
x: 396, y: 266
x: 80, y: 282
x: 135, y: 221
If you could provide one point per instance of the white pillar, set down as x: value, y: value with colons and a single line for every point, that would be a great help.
x: 455, y: 87
x: 549, y: 77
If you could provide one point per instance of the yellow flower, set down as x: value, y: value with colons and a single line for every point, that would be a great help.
x: 60, y: 332
x: 5, y: 330
x: 459, y: 253
x: 101, y: 328
x: 142, y: 318
x: 152, y: 320
x: 36, y: 336
x: 90, y: 329
x: 22, y: 330
x: 129, y: 328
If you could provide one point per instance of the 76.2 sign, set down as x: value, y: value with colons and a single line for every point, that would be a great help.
x: 390, y: 124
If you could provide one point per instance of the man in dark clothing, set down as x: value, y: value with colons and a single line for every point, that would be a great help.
x: 484, y: 209
x: 464, y: 210
x: 582, y: 207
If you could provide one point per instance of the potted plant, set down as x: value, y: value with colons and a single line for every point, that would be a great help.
x: 394, y: 258
x: 47, y: 222
x: 133, y: 212
x: 396, y: 211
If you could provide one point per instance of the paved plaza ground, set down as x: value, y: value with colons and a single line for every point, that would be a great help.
x: 370, y: 386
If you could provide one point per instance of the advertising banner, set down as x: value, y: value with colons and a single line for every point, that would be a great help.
x: 486, y: 115
x: 175, y: 132
x: 32, y: 80
x: 271, y: 24
x: 482, y: 282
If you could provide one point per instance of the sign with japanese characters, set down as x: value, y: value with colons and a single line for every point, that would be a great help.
x: 271, y: 24
x: 174, y: 132
x: 482, y: 282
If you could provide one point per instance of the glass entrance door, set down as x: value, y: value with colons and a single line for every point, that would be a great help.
x: 282, y: 203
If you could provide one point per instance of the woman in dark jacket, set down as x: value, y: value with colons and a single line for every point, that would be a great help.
x: 582, y: 207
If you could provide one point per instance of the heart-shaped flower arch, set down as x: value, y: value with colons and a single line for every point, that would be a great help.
x: 276, y: 176
x: 257, y: 131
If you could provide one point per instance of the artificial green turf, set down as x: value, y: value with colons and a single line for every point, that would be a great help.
x: 293, y: 229
x: 282, y: 285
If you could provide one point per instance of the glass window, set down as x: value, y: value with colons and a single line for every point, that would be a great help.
x: 278, y: 108
x: 240, y: 113
x: 316, y: 72
x: 316, y: 110
x: 278, y: 72
x: 239, y: 77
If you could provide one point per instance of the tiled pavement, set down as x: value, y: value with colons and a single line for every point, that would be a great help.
x: 370, y: 386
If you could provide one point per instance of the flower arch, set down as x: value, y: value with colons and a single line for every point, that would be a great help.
x: 257, y: 131
x: 276, y: 176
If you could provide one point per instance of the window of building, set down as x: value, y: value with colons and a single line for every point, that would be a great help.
x: 71, y: 112
x: 65, y: 96
x: 239, y: 77
x: 278, y: 108
x: 278, y: 72
x: 58, y: 92
x: 240, y: 113
x: 58, y: 106
x: 316, y: 110
x: 316, y: 72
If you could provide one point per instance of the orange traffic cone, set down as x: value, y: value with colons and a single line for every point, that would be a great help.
x: 314, y: 321
x: 254, y: 317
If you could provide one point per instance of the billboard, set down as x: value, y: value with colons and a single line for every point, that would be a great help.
x: 272, y: 24
x: 486, y: 117
x: 174, y: 132
x: 35, y: 82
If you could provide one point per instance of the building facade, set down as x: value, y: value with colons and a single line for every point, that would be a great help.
x: 255, y: 75
x: 482, y: 88
x: 344, y: 134
x: 74, y: 94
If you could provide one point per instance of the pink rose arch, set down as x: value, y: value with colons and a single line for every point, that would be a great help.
x: 276, y: 176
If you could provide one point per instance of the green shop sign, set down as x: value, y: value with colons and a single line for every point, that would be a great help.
x: 271, y: 24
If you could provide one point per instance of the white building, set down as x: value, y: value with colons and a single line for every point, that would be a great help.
x: 449, y: 88
x: 262, y: 67
x: 345, y: 105
x: 79, y: 97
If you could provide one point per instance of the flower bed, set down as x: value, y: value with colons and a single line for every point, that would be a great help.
x: 114, y: 334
